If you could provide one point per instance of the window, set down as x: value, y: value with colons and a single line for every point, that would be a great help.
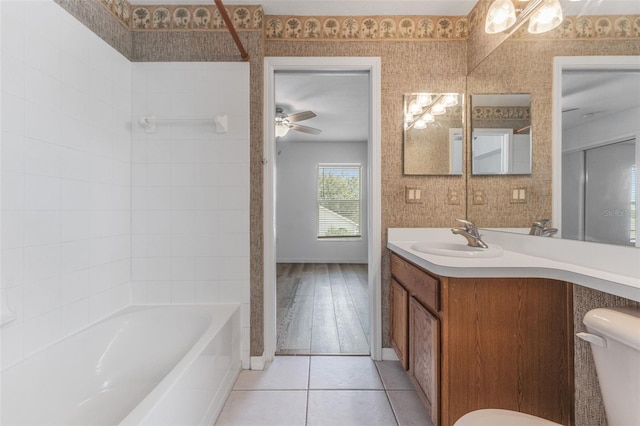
x: 338, y: 200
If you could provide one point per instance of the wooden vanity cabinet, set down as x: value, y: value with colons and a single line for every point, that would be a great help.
x: 484, y: 342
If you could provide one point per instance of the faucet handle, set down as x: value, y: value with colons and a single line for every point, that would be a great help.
x: 542, y: 223
x: 469, y: 226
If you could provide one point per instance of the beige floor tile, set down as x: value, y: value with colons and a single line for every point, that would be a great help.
x: 284, y: 373
x: 349, y: 408
x: 409, y: 409
x: 264, y: 408
x: 343, y: 372
x: 393, y: 376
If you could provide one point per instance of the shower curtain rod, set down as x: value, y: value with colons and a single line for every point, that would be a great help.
x: 232, y: 29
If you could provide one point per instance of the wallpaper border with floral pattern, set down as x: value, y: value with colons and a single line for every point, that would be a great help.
x: 355, y: 28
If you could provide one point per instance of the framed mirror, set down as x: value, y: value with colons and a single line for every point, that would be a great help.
x: 501, y: 134
x: 433, y: 136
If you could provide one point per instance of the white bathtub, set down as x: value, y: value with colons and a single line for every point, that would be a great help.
x: 146, y: 365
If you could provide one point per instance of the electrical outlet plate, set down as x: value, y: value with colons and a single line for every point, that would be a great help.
x: 479, y: 197
x: 453, y: 197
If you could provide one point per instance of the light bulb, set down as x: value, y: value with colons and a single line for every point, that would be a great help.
x: 281, y: 130
x: 428, y: 118
x: 501, y: 15
x: 414, y: 108
x: 546, y: 18
x: 424, y: 99
x: 438, y: 109
x: 450, y: 100
x: 419, y: 124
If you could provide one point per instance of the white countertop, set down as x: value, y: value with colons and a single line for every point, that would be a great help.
x: 611, y: 269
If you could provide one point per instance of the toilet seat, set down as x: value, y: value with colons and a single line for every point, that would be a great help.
x: 498, y: 417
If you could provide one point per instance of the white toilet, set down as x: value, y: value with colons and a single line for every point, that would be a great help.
x: 614, y: 335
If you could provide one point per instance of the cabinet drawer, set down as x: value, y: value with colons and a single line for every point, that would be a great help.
x: 421, y: 285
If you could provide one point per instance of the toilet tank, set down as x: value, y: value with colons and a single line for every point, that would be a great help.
x: 617, y: 359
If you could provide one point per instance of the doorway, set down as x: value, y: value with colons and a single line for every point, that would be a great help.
x: 370, y: 176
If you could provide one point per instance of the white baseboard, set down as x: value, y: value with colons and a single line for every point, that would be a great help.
x: 258, y: 362
x: 389, y: 354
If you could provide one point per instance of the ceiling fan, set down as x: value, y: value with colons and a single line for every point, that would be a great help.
x: 286, y: 122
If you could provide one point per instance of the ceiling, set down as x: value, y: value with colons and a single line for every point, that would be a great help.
x: 340, y: 101
x: 592, y: 95
x: 402, y: 7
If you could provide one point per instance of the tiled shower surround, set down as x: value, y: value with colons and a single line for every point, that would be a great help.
x: 77, y: 212
x: 66, y: 147
x: 190, y: 202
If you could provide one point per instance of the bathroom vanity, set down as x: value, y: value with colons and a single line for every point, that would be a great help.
x: 471, y: 343
x: 496, y: 332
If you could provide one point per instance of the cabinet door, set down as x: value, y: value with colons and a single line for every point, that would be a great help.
x: 424, y: 339
x: 400, y: 322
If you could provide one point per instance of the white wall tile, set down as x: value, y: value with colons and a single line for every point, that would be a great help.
x: 183, y: 175
x: 13, y: 113
x: 12, y: 267
x: 159, y: 292
x: 13, y: 75
x: 74, y: 255
x: 41, y: 262
x: 12, y: 229
x: 12, y: 190
x: 41, y: 331
x: 12, y: 153
x: 41, y: 227
x: 74, y: 286
x: 183, y: 292
x: 42, y: 193
x: 41, y: 297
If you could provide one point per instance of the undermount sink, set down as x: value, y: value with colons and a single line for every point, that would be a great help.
x: 445, y: 248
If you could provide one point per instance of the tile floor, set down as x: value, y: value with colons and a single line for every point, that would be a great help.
x: 324, y: 390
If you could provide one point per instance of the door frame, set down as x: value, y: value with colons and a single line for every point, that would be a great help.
x: 374, y: 249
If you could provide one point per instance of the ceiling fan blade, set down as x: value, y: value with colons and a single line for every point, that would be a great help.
x: 305, y: 129
x: 300, y: 116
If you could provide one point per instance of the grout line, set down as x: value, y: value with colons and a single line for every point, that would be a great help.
x: 306, y: 414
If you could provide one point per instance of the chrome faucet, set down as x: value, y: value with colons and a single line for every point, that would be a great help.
x: 470, y: 232
x: 540, y: 229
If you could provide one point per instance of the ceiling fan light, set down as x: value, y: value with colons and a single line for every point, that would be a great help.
x: 501, y: 16
x: 546, y: 18
x: 281, y: 130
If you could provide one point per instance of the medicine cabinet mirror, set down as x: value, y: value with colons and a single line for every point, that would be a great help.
x: 433, y: 137
x: 501, y: 134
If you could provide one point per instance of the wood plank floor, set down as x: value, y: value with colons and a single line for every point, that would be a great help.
x: 322, y: 309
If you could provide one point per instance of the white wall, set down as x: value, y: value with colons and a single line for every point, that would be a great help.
x: 190, y: 217
x: 65, y: 128
x: 296, y: 169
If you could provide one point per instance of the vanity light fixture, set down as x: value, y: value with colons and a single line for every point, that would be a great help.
x: 543, y: 15
x: 424, y: 108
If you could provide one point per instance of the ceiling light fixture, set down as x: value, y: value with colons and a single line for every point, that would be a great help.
x: 543, y: 15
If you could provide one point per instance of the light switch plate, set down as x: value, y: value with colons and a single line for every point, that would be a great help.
x: 412, y: 195
x: 519, y: 195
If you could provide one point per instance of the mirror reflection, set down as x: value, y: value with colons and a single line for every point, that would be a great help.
x: 600, y: 112
x: 433, y: 142
x: 501, y: 134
